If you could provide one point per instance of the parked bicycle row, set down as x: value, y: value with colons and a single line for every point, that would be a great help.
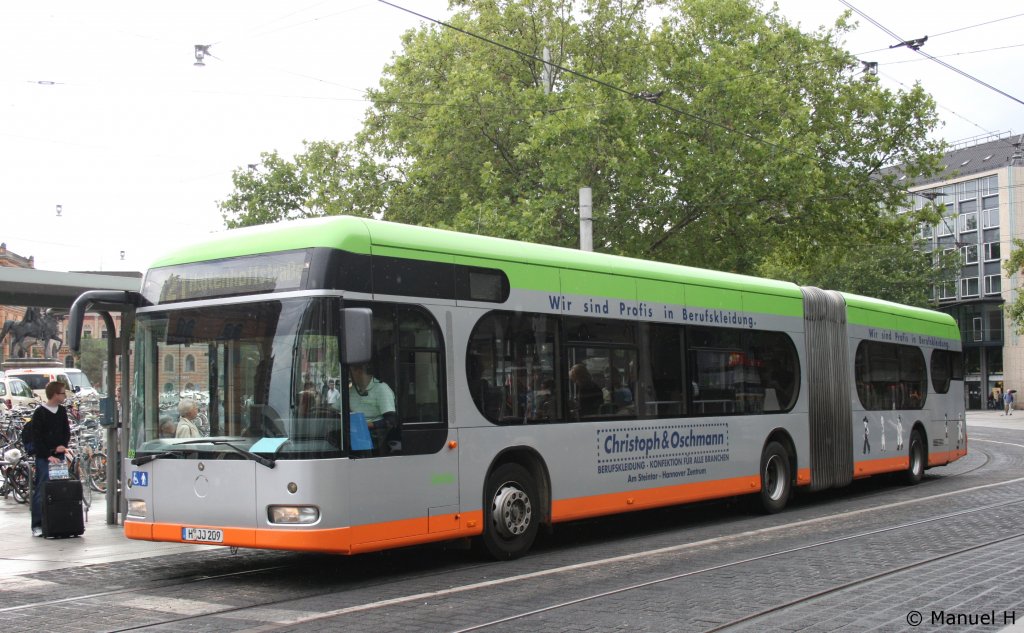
x: 85, y: 456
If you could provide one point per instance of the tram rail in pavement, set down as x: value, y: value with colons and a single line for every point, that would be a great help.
x: 21, y: 553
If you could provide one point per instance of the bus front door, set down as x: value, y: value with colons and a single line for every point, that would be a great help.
x: 405, y: 496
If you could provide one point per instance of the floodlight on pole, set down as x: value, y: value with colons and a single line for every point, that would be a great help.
x: 202, y: 50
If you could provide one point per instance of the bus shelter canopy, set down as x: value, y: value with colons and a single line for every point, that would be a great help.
x: 51, y: 289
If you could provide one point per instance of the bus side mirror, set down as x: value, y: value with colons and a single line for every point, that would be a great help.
x: 356, y: 335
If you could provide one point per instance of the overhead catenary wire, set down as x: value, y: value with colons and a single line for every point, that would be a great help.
x: 964, y: 28
x: 961, y: 53
x: 951, y: 111
x: 917, y: 49
x: 957, y: 30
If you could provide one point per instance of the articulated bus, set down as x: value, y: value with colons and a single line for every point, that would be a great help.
x: 487, y: 387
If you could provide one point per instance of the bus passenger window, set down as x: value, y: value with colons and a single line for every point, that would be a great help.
x: 510, y: 368
x: 947, y: 366
x: 659, y: 389
x: 742, y: 371
x: 890, y: 376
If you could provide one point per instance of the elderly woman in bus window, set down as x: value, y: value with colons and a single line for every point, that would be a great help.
x: 188, y: 411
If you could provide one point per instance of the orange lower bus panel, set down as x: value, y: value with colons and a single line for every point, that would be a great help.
x: 341, y: 540
x: 879, y: 466
x: 379, y: 536
x: 597, y: 505
x: 938, y: 459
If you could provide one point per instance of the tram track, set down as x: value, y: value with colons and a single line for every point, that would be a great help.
x: 860, y: 581
x: 170, y: 585
x: 697, y: 572
x: 434, y: 595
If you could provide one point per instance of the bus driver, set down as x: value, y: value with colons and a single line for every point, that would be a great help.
x: 375, y: 400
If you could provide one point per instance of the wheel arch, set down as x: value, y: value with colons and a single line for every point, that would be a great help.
x: 920, y: 428
x: 531, y: 460
x: 783, y: 437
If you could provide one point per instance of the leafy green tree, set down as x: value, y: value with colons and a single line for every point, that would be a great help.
x: 326, y: 179
x: 889, y: 263
x: 1015, y: 266
x: 91, y: 359
x: 712, y: 132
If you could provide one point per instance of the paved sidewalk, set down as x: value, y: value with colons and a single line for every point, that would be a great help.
x: 22, y: 553
x: 995, y: 419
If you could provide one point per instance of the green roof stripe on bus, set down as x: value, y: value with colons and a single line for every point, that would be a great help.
x: 532, y: 267
x: 869, y: 312
x: 344, y: 233
x: 528, y: 267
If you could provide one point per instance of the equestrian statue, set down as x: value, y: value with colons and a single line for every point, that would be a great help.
x: 37, y: 325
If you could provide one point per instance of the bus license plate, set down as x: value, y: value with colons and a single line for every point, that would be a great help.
x: 202, y: 535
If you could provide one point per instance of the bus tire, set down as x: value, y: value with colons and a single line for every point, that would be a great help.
x: 776, y: 480
x: 511, y: 512
x: 915, y: 470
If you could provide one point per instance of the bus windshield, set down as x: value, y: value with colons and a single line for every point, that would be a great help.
x: 254, y: 374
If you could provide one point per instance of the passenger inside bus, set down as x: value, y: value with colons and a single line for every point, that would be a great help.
x: 618, y: 398
x: 307, y: 399
x: 375, y: 400
x: 587, y: 393
x: 189, y: 411
x: 167, y: 426
x: 542, y: 401
x: 489, y: 399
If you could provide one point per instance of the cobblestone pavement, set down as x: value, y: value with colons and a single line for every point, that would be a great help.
x: 867, y: 558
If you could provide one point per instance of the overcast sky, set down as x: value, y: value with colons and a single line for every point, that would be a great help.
x: 103, y: 113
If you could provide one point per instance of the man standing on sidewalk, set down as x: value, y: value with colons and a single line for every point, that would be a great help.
x: 49, y: 437
x: 1008, y: 402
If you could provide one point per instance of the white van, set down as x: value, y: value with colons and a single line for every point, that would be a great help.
x: 74, y: 379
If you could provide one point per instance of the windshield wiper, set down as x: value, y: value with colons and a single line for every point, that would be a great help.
x: 259, y: 459
x: 145, y: 459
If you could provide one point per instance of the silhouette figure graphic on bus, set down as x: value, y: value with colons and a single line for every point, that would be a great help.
x: 867, y: 442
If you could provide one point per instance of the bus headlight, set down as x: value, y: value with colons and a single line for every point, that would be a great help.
x: 137, y: 508
x: 293, y: 515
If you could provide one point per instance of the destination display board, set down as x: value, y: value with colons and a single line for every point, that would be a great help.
x: 272, y: 272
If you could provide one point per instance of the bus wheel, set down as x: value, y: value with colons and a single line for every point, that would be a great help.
x: 776, y: 482
x: 915, y: 470
x: 510, y: 521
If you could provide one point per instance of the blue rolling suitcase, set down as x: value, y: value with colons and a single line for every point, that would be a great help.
x: 62, y: 508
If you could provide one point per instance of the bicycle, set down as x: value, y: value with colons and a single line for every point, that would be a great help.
x: 17, y: 475
x: 87, y: 440
x: 96, y: 469
x: 77, y: 471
